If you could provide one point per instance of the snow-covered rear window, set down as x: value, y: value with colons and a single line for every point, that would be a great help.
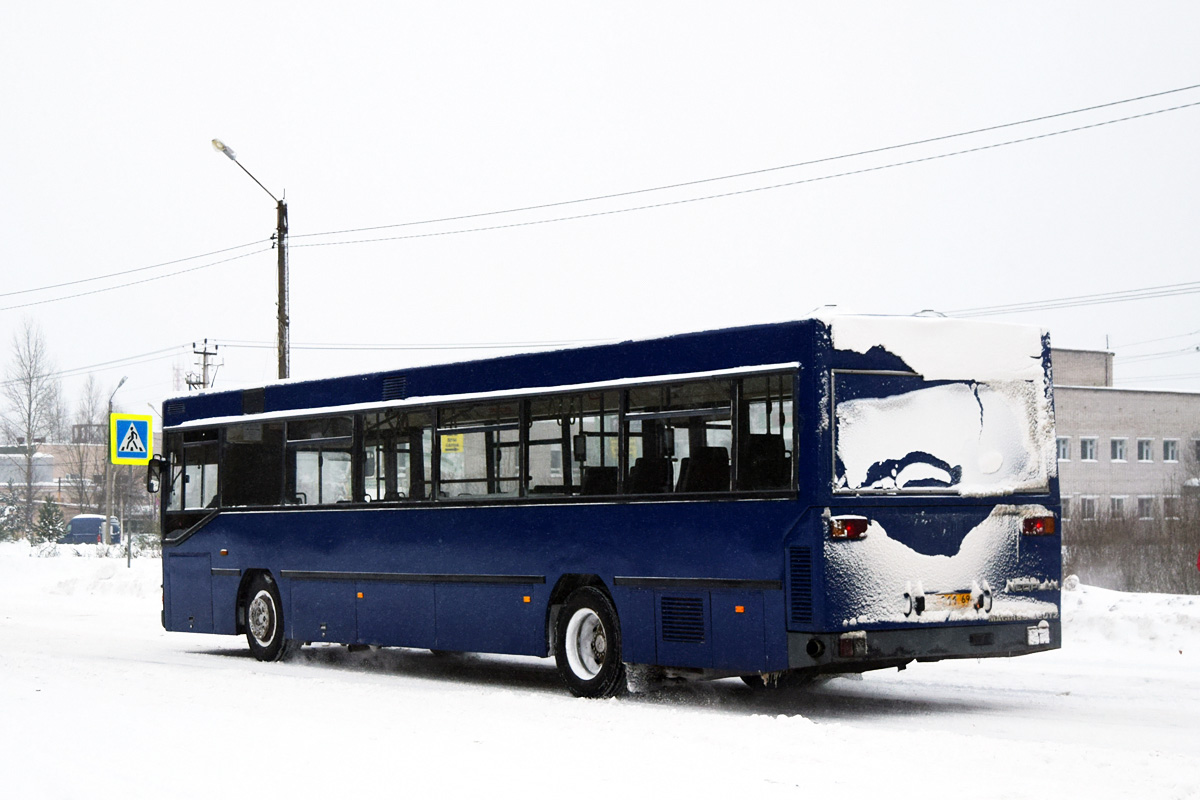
x: 900, y: 433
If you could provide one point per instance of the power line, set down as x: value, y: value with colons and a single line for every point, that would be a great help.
x: 126, y: 272
x: 336, y: 346
x: 1155, y: 341
x: 135, y: 283
x: 127, y: 361
x: 750, y: 173
x: 1169, y: 290
x: 754, y: 189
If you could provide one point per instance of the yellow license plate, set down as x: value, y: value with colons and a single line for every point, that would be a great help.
x: 953, y: 599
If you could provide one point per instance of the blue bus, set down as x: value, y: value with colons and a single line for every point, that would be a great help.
x: 772, y: 502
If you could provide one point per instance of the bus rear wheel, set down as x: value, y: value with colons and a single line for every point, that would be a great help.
x: 587, y: 641
x: 264, y: 621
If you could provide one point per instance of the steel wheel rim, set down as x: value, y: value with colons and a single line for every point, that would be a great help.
x: 586, y: 644
x: 261, y: 617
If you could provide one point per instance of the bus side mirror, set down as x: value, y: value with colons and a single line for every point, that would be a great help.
x: 154, y: 470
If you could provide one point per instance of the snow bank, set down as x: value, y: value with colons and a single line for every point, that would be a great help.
x: 1159, y: 622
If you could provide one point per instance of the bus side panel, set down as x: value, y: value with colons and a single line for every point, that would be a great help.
x: 635, y: 610
x: 396, y: 614
x: 322, y: 611
x: 187, y: 587
x: 491, y: 619
x: 738, y: 628
x: 224, y: 602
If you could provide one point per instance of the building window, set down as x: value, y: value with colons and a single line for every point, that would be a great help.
x: 1146, y: 507
x: 1116, y: 507
x: 1066, y: 508
x: 1087, y: 508
x: 1064, y: 448
x: 1171, y: 507
x: 1170, y: 450
x: 1116, y: 449
x: 1145, y: 449
x: 1087, y: 448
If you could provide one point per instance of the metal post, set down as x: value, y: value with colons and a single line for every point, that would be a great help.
x: 281, y: 232
x: 107, y: 538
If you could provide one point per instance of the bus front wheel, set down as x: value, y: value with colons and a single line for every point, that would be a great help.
x: 264, y: 621
x: 588, y: 645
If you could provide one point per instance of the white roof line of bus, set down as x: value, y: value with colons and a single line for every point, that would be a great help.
x: 428, y: 400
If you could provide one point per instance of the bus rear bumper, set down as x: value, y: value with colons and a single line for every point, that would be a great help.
x: 859, y: 651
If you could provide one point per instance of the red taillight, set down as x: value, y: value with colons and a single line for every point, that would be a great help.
x: 1039, y: 526
x: 848, y: 527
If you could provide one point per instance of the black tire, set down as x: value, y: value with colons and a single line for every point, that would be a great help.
x: 264, y: 621
x: 587, y: 639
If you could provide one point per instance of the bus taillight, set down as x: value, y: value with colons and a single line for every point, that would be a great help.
x: 1039, y: 526
x: 848, y: 527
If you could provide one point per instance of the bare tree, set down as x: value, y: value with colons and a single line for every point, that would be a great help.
x: 33, y: 400
x: 87, y: 449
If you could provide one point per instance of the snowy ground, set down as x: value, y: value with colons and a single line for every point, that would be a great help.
x: 97, y: 701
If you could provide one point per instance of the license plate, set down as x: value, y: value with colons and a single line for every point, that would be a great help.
x: 953, y: 600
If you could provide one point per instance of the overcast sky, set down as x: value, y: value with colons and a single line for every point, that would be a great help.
x: 380, y: 114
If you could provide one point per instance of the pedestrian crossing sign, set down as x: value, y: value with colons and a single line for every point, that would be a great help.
x: 132, y: 439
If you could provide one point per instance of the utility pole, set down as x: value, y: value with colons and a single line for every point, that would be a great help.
x: 281, y: 230
x: 203, y: 381
x: 284, y: 323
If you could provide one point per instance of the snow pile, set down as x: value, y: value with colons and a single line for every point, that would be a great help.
x: 1158, y: 622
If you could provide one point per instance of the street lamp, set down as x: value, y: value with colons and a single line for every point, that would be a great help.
x: 281, y: 228
x: 107, y: 470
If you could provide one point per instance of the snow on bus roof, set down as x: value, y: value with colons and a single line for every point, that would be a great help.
x: 429, y: 400
x: 940, y: 348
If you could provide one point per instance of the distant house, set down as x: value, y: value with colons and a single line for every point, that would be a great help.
x: 1129, y: 453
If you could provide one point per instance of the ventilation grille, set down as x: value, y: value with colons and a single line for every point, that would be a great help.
x: 254, y: 401
x: 175, y: 409
x: 682, y: 619
x: 395, y: 387
x: 800, y: 571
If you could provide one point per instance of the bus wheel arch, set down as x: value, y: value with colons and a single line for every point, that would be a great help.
x: 588, y: 644
x: 264, y: 618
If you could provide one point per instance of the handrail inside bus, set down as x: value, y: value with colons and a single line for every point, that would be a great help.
x: 178, y: 537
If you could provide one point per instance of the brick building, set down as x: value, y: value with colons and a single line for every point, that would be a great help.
x: 1131, y: 453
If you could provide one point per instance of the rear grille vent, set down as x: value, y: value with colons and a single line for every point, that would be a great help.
x: 175, y: 409
x: 395, y: 387
x: 254, y: 401
x: 683, y: 619
x: 800, y: 572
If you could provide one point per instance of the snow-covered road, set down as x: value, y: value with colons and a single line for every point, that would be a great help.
x: 99, y: 702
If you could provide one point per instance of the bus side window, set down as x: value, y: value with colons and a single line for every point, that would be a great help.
x: 318, y: 464
x: 765, y: 433
x: 197, y: 485
x: 253, y: 465
x: 680, y: 437
x: 398, y: 455
x: 479, y: 448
